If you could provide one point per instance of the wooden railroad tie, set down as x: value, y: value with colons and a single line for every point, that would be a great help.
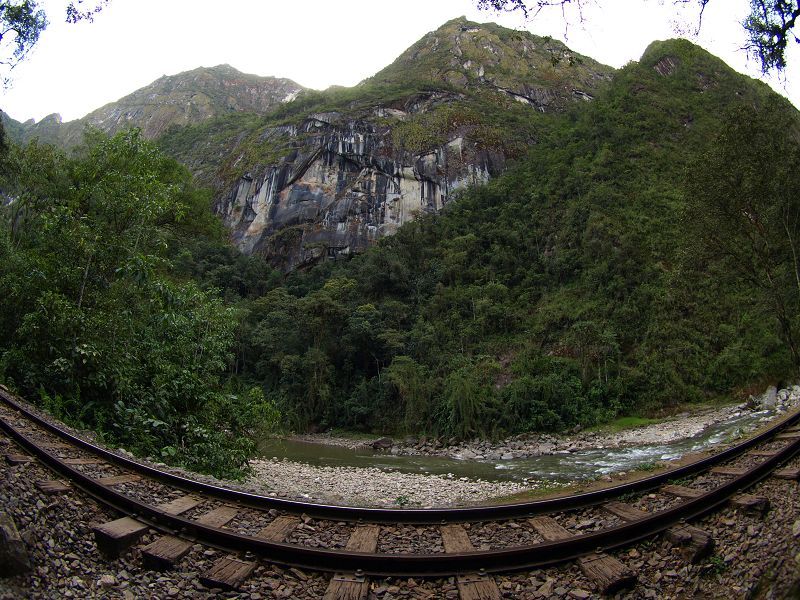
x: 18, y: 459
x: 696, y: 544
x: 681, y: 491
x: 280, y: 528
x: 471, y: 586
x: 751, y: 504
x: 607, y: 573
x: 14, y: 559
x: 180, y: 505
x: 733, y: 471
x: 166, y: 551
x: 115, y: 537
x: 789, y: 435
x: 354, y: 586
x: 626, y: 512
x: 766, y: 453
x: 53, y: 486
x: 227, y: 573
x: 793, y: 474
x: 218, y: 517
x: 118, y: 479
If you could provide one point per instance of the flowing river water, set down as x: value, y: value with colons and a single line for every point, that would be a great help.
x: 561, y: 466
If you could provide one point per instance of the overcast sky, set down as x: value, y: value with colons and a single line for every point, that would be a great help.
x: 77, y: 68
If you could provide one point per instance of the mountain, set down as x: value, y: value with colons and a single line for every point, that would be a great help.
x: 301, y: 175
x: 534, y: 70
x: 595, y: 277
x: 332, y: 172
x: 176, y: 100
x: 633, y: 249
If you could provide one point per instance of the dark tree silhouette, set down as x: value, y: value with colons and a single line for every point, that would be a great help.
x: 770, y: 26
x: 23, y: 21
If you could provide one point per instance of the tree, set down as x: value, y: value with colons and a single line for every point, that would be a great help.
x: 94, y: 320
x: 23, y: 21
x: 743, y: 208
x: 769, y: 26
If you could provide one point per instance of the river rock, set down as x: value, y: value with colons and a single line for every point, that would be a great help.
x: 770, y: 397
x: 383, y: 443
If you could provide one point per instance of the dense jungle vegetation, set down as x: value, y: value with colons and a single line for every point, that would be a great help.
x: 642, y: 255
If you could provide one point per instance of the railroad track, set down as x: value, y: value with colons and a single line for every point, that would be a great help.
x: 355, y: 544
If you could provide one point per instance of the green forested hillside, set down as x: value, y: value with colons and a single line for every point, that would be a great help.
x: 567, y: 291
x: 640, y: 255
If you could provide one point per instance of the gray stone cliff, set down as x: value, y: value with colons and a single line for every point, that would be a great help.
x: 342, y: 188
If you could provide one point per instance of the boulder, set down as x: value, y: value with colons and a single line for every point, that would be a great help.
x: 383, y: 443
x: 770, y: 397
x: 14, y: 559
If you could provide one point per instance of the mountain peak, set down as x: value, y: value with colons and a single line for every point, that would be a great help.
x: 175, y: 100
x: 532, y: 69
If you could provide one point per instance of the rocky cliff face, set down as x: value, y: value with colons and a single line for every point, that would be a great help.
x: 176, y: 100
x: 343, y: 187
x: 347, y: 177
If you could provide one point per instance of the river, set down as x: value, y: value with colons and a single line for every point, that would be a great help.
x: 560, y: 467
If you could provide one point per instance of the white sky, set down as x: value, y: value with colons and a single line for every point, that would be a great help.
x: 77, y: 68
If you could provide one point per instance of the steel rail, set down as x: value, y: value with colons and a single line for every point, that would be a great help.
x: 408, y: 515
x: 425, y: 565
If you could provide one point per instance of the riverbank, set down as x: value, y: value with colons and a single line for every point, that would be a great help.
x: 682, y: 426
x: 389, y: 487
x: 376, y: 487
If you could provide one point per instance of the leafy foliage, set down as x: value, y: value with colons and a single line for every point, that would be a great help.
x: 769, y: 26
x: 94, y: 317
x: 21, y: 23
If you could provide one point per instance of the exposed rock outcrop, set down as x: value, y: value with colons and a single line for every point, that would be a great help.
x: 342, y: 186
x: 344, y: 179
